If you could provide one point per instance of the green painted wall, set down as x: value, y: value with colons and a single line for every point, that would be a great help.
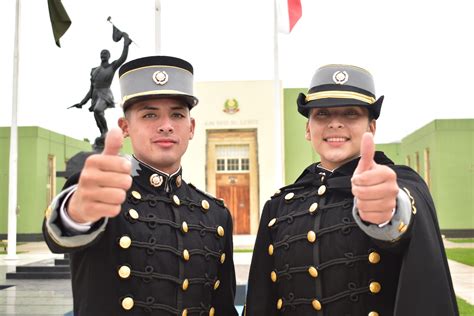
x: 393, y: 151
x: 34, y: 146
x: 298, y: 151
x: 450, y: 144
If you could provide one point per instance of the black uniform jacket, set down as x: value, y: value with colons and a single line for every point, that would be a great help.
x: 169, y: 252
x: 311, y: 257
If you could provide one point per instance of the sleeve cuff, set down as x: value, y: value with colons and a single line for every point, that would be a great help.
x: 393, y: 229
x: 60, y: 233
x: 68, y: 222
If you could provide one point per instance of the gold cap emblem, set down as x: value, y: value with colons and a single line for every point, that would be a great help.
x: 160, y: 77
x: 340, y: 77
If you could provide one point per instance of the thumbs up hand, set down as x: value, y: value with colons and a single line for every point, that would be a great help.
x: 103, y: 183
x: 374, y: 186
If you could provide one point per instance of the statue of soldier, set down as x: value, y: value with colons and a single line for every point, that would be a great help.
x: 101, y: 79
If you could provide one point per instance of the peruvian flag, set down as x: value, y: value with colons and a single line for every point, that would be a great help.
x: 288, y: 13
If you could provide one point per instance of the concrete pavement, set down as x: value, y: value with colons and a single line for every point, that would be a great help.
x: 54, y: 297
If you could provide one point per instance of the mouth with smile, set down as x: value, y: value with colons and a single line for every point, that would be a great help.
x: 164, y: 142
x: 336, y: 140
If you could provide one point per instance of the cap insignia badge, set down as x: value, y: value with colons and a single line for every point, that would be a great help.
x: 160, y: 77
x: 340, y: 77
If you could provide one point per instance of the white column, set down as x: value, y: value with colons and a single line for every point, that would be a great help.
x: 277, y: 110
x: 13, y: 165
x: 158, y: 27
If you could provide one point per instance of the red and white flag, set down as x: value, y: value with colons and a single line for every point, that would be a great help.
x: 288, y: 13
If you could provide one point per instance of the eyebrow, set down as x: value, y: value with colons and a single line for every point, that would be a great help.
x: 148, y: 107
x: 155, y: 107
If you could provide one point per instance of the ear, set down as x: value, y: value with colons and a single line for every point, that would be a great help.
x: 191, y: 128
x: 307, y: 134
x: 123, y: 124
x: 372, y: 126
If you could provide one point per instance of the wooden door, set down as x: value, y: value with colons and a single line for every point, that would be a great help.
x: 234, y: 189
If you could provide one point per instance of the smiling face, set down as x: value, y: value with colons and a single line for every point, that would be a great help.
x: 160, y: 130
x: 336, y: 133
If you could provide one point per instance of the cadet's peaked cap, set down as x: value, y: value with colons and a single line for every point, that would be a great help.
x: 340, y: 85
x: 156, y: 77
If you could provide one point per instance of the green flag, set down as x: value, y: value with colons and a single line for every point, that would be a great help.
x: 60, y: 21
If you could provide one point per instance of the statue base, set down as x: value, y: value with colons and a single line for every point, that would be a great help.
x: 76, y: 163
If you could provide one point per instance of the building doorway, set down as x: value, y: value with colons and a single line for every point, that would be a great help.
x: 232, y: 175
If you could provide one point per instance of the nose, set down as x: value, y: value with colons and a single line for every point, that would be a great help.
x: 165, y: 126
x: 335, y: 122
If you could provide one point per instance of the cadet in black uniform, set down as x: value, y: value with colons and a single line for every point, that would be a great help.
x: 141, y: 240
x: 355, y: 234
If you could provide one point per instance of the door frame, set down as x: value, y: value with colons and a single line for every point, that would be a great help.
x: 215, y: 137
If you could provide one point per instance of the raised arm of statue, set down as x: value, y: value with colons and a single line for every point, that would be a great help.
x: 126, y: 43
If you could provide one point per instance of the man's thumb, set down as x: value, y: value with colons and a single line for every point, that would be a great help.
x: 113, y: 142
x: 367, y: 152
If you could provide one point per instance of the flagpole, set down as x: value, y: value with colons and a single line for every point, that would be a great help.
x: 277, y: 110
x: 13, y: 165
x: 158, y: 27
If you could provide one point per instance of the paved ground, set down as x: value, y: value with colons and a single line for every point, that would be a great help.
x: 54, y: 298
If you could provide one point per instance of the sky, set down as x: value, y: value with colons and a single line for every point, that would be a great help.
x: 420, y: 53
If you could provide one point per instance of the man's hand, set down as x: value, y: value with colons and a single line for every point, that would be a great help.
x: 77, y: 105
x: 126, y: 39
x: 103, y: 183
x: 374, y: 186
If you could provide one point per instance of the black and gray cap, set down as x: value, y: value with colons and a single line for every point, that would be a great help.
x: 156, y: 77
x: 340, y: 85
